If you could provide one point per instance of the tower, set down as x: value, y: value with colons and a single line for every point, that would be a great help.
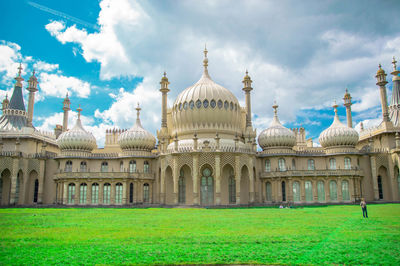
x: 247, y: 89
x: 164, y: 90
x: 347, y: 104
x: 32, y: 88
x: 381, y: 82
x: 5, y: 103
x: 66, y: 108
x: 394, y: 107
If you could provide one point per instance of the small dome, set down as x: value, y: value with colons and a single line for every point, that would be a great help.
x: 137, y: 138
x: 338, y: 134
x: 380, y: 70
x: 276, y: 136
x: 77, y: 139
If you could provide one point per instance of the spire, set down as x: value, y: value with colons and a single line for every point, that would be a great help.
x: 17, y: 99
x: 205, y: 63
x: 19, y: 79
x: 79, y: 112
x: 138, y: 115
x: 335, y: 106
x: 394, y: 107
x: 394, y: 64
x: 275, y: 119
x: 32, y: 82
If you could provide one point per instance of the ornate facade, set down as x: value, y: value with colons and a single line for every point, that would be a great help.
x: 206, y: 155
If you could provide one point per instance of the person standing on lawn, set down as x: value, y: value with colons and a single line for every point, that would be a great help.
x: 363, y: 205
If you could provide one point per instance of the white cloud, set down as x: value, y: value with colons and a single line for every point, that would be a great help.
x: 59, y: 85
x: 44, y: 66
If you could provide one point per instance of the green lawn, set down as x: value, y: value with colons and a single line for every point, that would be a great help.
x: 332, y: 235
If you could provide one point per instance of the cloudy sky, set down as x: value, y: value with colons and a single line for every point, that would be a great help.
x: 110, y: 54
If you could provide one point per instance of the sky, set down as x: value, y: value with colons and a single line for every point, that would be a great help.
x: 110, y: 55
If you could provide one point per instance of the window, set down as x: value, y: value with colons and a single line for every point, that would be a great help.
x: 333, y: 190
x: 95, y: 193
x: 131, y: 193
x: 185, y: 106
x: 267, y: 165
x: 345, y: 190
x: 121, y: 166
x: 191, y: 105
x: 220, y: 104
x: 213, y: 103
x: 106, y: 193
x: 146, y: 192
x: 232, y: 189
x: 82, y: 193
x: 71, y: 193
x: 104, y: 167
x: 296, y: 191
x: 118, y: 193
x: 36, y: 191
x: 83, y: 166
x: 226, y: 105
x: 198, y: 104
x: 380, y: 187
x: 309, y: 192
x: 68, y: 166
x: 231, y: 106
x: 281, y: 165
x: 146, y: 167
x: 332, y: 164
x: 293, y: 164
x: 321, y: 191
x: 283, y: 191
x: 311, y: 164
x: 268, y: 190
x: 205, y: 103
x: 347, y: 163
x: 132, y: 167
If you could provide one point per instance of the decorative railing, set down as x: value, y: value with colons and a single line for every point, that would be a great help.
x: 105, y: 175
x: 301, y: 173
x: 43, y: 155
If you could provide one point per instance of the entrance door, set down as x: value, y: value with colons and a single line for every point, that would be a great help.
x: 207, y: 188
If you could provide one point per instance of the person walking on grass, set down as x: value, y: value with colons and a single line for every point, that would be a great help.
x: 363, y: 205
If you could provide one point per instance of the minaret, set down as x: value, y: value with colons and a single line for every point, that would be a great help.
x: 32, y: 88
x: 381, y: 82
x: 138, y: 115
x: 164, y: 90
x: 66, y: 108
x: 394, y: 107
x: 347, y: 104
x: 5, y: 103
x: 247, y: 88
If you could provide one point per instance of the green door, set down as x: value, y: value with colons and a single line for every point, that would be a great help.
x: 207, y: 188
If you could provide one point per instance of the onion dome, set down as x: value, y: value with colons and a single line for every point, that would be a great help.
x: 380, y: 70
x: 206, y: 107
x: 276, y: 136
x: 77, y: 138
x: 338, y: 134
x: 137, y: 138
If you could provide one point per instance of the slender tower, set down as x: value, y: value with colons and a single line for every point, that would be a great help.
x: 164, y: 90
x: 381, y: 82
x: 247, y: 89
x: 394, y: 107
x: 66, y: 108
x: 347, y: 104
x: 32, y: 88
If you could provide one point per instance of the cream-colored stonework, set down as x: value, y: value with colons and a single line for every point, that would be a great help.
x: 206, y: 155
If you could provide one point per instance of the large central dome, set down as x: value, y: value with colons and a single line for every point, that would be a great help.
x: 206, y: 107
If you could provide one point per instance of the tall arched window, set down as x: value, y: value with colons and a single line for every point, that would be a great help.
x: 181, y: 188
x: 104, y: 167
x: 95, y: 193
x: 308, y: 188
x: 333, y: 190
x: 146, y: 195
x: 347, y: 163
x: 106, y: 193
x: 118, y: 193
x: 17, y: 185
x: 132, y: 167
x: 267, y: 165
x: 321, y: 191
x: 268, y: 190
x: 293, y: 164
x: 296, y: 191
x: 146, y: 167
x: 345, y: 190
x: 36, y: 191
x: 82, y: 193
x: 83, y: 167
x: 281, y: 164
x: 283, y: 187
x: 332, y: 163
x: 121, y: 166
x: 311, y: 164
x: 131, y: 193
x: 232, y: 189
x: 380, y: 187
x: 71, y: 193
x: 68, y: 166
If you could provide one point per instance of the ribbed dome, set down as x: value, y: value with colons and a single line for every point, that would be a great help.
x: 338, y: 134
x: 77, y: 139
x: 276, y: 135
x: 137, y: 138
x: 206, y: 106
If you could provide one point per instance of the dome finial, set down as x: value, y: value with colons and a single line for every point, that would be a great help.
x: 275, y: 106
x: 138, y: 115
x: 205, y: 62
x: 394, y: 63
x: 335, y: 106
x: 79, y: 112
x: 19, y: 79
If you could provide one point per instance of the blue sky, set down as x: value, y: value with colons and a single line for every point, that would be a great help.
x: 109, y: 55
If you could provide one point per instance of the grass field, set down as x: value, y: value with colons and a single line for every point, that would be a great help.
x: 332, y: 235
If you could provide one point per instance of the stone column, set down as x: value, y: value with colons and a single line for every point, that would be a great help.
x: 135, y: 191
x: 278, y: 188
x: 217, y: 179
x: 77, y: 192
x: 162, y: 182
x: 13, y: 178
x: 339, y: 189
x: 302, y: 190
x: 315, y: 190
x: 41, y: 180
x: 374, y: 178
x: 112, y: 193
x: 175, y: 178
x: 65, y: 193
x: 89, y: 193
x: 251, y: 181
x: 289, y: 192
x: 327, y: 194
x: 196, y: 179
x: 237, y: 177
x: 101, y: 192
x: 124, y: 198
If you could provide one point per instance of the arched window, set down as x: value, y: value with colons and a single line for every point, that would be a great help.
x: 333, y: 190
x: 146, y: 167
x: 71, y: 193
x: 267, y: 165
x: 104, y: 167
x: 121, y: 166
x: 132, y: 167
x: 283, y: 191
x: 332, y: 164
x: 95, y: 193
x: 296, y: 191
x: 106, y: 193
x: 68, y: 166
x: 321, y: 191
x: 293, y: 164
x: 281, y: 165
x: 146, y: 195
x: 36, y: 191
x: 380, y: 187
x: 83, y: 167
x: 118, y: 193
x: 181, y: 188
x: 232, y: 189
x: 268, y: 190
x: 17, y: 185
x: 311, y: 164
x: 347, y: 163
x: 345, y: 190
x: 131, y: 193
x: 82, y: 193
x: 309, y: 192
